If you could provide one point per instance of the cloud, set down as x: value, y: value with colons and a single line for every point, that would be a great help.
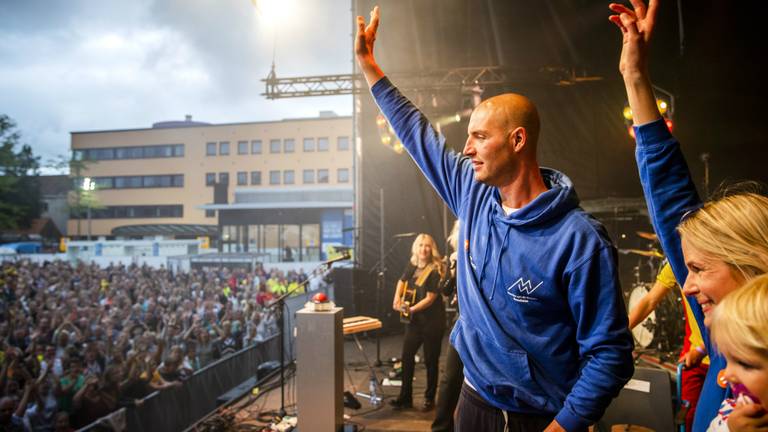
x: 88, y: 65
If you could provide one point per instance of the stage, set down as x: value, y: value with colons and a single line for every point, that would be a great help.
x: 257, y: 410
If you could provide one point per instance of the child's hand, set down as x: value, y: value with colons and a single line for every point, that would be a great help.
x: 748, y: 417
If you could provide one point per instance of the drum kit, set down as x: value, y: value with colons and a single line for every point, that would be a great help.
x: 664, y: 328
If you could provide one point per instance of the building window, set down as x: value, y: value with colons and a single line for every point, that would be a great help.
x: 256, y: 147
x: 103, y: 182
x: 134, y: 152
x: 322, y: 176
x: 309, y: 176
x: 274, y: 146
x: 210, y: 213
x: 342, y: 175
x: 255, y: 177
x: 289, y: 145
x: 274, y: 177
x: 309, y: 144
x: 210, y: 179
x: 131, y: 182
x: 242, y: 178
x: 224, y: 178
x: 129, y: 153
x: 210, y: 149
x: 322, y: 144
x: 342, y: 143
x: 138, y: 212
x: 223, y: 148
x: 128, y: 182
x: 242, y: 147
x: 288, y: 177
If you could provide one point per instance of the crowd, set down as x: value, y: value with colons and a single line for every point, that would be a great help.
x: 80, y: 341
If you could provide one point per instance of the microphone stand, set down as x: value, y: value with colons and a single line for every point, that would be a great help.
x: 280, y: 323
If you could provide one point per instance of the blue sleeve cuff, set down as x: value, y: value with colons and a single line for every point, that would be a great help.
x: 571, y: 422
x: 380, y: 86
x: 652, y: 133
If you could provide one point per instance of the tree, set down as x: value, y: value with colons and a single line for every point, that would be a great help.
x: 78, y: 199
x: 19, y: 179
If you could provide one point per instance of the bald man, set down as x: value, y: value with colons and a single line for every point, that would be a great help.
x: 543, y: 328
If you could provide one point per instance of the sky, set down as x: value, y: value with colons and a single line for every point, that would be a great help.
x: 82, y: 65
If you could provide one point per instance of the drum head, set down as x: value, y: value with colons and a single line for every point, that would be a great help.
x: 643, y: 332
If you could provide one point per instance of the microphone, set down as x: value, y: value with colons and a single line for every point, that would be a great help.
x: 405, y: 235
x: 344, y: 256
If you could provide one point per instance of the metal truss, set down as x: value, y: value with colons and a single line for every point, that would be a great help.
x: 436, y: 80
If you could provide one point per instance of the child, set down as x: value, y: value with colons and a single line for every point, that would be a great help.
x: 740, y: 332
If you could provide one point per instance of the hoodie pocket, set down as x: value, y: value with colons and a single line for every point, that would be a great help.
x: 502, y: 373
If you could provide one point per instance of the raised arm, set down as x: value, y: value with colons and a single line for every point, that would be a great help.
x: 366, y: 36
x: 637, y: 28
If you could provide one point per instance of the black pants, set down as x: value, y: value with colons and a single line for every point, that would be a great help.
x: 474, y: 414
x: 431, y: 335
x: 448, y: 392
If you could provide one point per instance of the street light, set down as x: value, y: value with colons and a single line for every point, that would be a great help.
x: 89, y: 185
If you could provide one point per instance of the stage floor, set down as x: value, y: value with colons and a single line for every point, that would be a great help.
x: 256, y: 412
x: 253, y: 411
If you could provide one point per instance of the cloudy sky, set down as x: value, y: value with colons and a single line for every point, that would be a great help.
x: 81, y: 65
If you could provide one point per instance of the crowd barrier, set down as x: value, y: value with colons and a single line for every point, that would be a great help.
x: 175, y: 409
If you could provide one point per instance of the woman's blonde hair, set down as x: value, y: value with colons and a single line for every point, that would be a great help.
x: 740, y: 322
x: 436, y: 258
x: 733, y: 229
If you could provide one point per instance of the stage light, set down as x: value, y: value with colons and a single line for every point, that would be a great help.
x: 387, y: 134
x: 627, y: 113
x: 669, y: 124
x: 631, y: 131
x: 662, y: 104
x: 276, y: 11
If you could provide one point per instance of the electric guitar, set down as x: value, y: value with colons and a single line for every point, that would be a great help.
x: 408, y: 295
x: 407, y: 299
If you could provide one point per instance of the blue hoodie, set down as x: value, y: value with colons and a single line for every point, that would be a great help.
x: 670, y: 194
x: 543, y: 327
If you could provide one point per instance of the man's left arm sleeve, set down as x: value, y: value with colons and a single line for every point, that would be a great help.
x: 602, y: 334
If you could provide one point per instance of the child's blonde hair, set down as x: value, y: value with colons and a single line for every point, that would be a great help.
x: 740, y: 322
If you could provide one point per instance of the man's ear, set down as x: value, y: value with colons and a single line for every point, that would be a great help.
x: 518, y: 137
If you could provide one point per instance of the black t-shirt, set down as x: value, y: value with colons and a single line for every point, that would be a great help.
x: 435, y: 313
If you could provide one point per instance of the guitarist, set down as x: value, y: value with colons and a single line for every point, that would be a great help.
x: 425, y: 315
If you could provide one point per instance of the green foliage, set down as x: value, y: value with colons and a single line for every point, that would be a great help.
x: 19, y: 173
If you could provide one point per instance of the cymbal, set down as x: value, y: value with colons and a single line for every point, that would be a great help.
x: 653, y: 253
x: 647, y: 235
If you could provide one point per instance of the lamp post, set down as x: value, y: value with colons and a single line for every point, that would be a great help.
x: 88, y: 186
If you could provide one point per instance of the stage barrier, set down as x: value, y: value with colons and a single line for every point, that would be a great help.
x: 175, y: 409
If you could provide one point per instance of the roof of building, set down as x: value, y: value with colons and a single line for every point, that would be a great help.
x: 179, y: 124
x: 165, y: 229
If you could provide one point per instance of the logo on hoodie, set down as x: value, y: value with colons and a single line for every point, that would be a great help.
x: 522, y: 289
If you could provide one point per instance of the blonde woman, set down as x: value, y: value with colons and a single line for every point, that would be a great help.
x: 427, y: 318
x: 719, y: 245
x: 740, y: 332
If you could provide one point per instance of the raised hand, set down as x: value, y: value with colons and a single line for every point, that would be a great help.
x: 636, y: 26
x: 364, y: 40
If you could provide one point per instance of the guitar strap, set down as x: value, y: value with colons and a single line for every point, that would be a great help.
x: 424, y: 274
